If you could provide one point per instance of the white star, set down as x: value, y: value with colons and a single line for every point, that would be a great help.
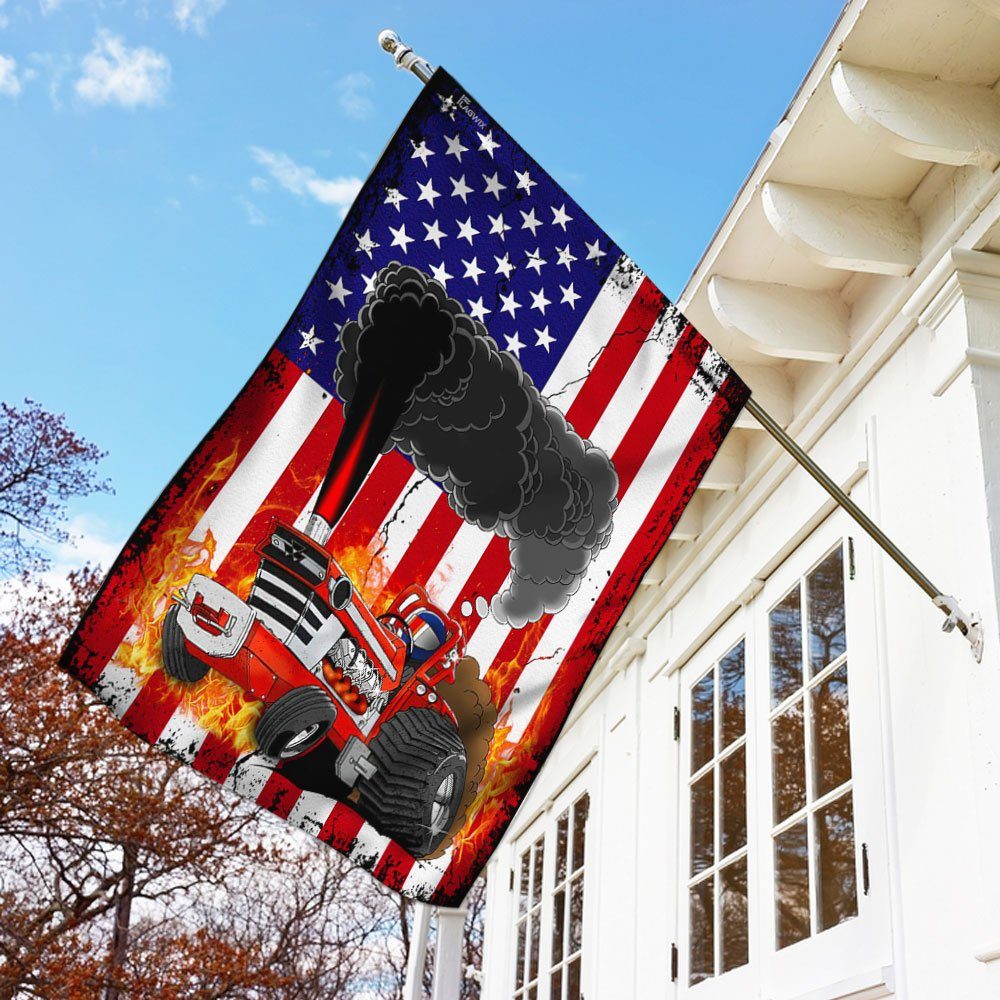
x: 566, y: 257
x: 466, y: 230
x: 366, y: 243
x: 421, y: 152
x: 448, y: 105
x: 472, y: 269
x: 399, y: 237
x: 530, y: 222
x: 338, y: 292
x: 309, y: 340
x: 435, y: 233
x: 594, y: 252
x: 568, y: 295
x: 455, y: 147
x: 477, y: 310
x: 544, y: 340
x: 441, y: 274
x: 539, y: 301
x: 497, y: 226
x: 460, y: 189
x: 560, y: 218
x: 369, y: 280
x: 427, y: 192
x: 487, y: 144
x: 393, y: 196
x: 509, y: 305
x: 493, y: 185
x: 535, y: 260
x: 504, y: 266
x: 514, y: 344
x: 524, y: 181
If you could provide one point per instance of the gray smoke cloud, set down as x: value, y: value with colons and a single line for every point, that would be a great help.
x: 473, y: 420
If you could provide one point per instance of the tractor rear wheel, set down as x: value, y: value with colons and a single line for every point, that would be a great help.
x: 418, y: 786
x: 294, y: 723
x: 178, y: 662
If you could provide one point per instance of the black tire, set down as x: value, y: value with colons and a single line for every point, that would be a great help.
x: 418, y: 787
x: 178, y: 662
x: 294, y: 723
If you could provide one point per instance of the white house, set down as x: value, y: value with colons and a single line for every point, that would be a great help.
x: 782, y: 780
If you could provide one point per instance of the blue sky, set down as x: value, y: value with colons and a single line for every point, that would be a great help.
x: 173, y: 170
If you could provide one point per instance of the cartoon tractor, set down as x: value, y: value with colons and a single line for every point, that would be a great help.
x: 306, y: 645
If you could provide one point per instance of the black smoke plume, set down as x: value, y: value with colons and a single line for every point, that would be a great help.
x: 472, y: 419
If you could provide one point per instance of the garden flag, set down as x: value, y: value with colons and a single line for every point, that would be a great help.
x: 370, y: 597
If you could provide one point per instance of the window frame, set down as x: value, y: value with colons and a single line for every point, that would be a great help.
x: 545, y: 826
x: 863, y: 942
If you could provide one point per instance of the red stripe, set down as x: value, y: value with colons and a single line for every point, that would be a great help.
x: 279, y: 795
x: 393, y: 866
x: 234, y: 434
x: 215, y: 758
x: 153, y: 705
x: 616, y: 358
x: 375, y: 500
x: 562, y: 691
x: 341, y: 828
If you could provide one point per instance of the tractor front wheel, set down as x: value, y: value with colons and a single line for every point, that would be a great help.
x: 418, y: 786
x: 178, y: 661
x: 294, y: 723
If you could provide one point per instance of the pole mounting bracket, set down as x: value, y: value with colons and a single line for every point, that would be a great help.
x: 404, y: 57
x: 969, y: 624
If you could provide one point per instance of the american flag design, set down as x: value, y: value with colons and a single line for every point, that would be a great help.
x: 377, y: 634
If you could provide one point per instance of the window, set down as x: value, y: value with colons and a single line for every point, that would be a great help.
x: 550, y: 888
x: 717, y: 890
x: 778, y: 887
x: 812, y: 809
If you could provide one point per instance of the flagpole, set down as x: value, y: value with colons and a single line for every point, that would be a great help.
x: 956, y: 617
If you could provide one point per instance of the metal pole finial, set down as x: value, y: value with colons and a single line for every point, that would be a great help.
x: 404, y: 57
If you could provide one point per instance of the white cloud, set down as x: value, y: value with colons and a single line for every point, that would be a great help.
x: 254, y: 215
x: 259, y: 184
x: 194, y: 15
x: 115, y: 74
x: 10, y: 83
x: 336, y: 191
x: 49, y: 6
x: 353, y: 90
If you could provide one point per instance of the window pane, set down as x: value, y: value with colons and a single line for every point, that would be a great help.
x: 702, y: 722
x: 573, y: 981
x: 558, y: 924
x: 533, y: 993
x: 785, y: 632
x: 702, y: 923
x: 522, y: 904
x: 831, y: 733
x: 835, y: 863
x: 533, y: 920
x: 562, y: 835
x: 576, y: 915
x: 555, y: 992
x: 825, y: 593
x: 733, y: 906
x: 732, y: 672
x: 581, y: 809
x: 734, y: 802
x: 791, y: 897
x: 536, y: 875
x: 703, y: 823
x: 789, y: 757
x: 519, y: 972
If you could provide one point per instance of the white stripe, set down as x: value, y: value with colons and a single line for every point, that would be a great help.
x: 118, y: 687
x: 263, y: 465
x: 310, y: 812
x: 249, y: 775
x: 182, y: 736
x: 638, y: 502
x: 423, y: 878
x: 400, y: 527
x: 592, y: 335
x: 367, y: 847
